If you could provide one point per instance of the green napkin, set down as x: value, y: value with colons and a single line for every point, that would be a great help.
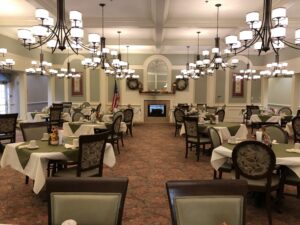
x: 24, y: 153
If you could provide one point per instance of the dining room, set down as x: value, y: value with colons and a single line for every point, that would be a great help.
x: 150, y: 97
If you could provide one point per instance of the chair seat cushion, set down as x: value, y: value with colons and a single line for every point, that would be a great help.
x: 227, y: 166
x: 291, y: 177
x: 262, y: 182
x: 202, y: 140
x: 6, y: 136
x: 71, y: 172
x: 113, y: 137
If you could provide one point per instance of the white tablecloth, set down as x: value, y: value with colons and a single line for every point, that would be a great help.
x: 224, y: 132
x: 273, y: 119
x: 87, y: 128
x: 107, y: 117
x: 289, y: 129
x: 221, y: 154
x: 36, y: 167
x: 38, y: 117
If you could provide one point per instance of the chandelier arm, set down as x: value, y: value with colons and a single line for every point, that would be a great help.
x: 291, y: 45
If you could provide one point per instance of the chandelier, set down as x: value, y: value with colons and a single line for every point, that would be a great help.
x: 55, y: 36
x: 68, y: 72
x: 190, y: 70
x: 42, y: 67
x: 99, y: 53
x: 130, y: 73
x: 277, y: 69
x: 5, y: 63
x: 217, y: 62
x: 248, y: 73
x: 263, y: 35
x: 116, y: 66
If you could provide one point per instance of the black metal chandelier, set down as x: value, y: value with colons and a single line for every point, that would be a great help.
x: 266, y: 34
x: 217, y: 61
x: 55, y: 36
x: 41, y: 67
x: 5, y: 63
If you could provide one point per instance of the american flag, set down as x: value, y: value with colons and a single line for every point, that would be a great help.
x: 116, y: 97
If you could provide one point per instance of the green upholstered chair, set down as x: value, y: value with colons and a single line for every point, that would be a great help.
x: 255, y: 162
x: 115, y: 134
x: 178, y: 116
x: 207, y: 202
x: 285, y: 110
x: 77, y: 116
x: 67, y: 107
x: 86, y: 200
x: 34, y: 130
x: 276, y: 133
x: 216, y: 142
x: 90, y: 157
x: 296, y: 128
x: 211, y: 109
x: 221, y: 114
x: 292, y: 179
x: 128, y: 118
x: 8, y: 124
x: 193, y: 138
x: 54, y: 119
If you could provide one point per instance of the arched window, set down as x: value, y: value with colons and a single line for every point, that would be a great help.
x: 157, y: 75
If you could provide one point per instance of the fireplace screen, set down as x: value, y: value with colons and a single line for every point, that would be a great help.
x: 157, y: 110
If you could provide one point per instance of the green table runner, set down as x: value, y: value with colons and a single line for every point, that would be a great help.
x: 33, y: 115
x: 264, y: 118
x: 75, y: 126
x: 232, y: 127
x: 279, y: 150
x: 24, y: 153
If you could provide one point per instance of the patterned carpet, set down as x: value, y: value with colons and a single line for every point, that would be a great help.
x: 149, y: 159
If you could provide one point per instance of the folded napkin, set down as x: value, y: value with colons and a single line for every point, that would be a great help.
x: 22, y: 146
x: 293, y: 150
x: 68, y: 146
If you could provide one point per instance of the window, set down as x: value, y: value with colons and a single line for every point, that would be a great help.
x: 3, y: 98
x: 157, y: 73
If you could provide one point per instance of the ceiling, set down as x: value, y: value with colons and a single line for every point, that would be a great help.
x: 149, y: 26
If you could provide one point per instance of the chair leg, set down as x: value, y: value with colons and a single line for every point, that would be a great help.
x: 26, y: 179
x: 298, y: 191
x: 198, y: 152
x: 215, y: 175
x: 220, y: 174
x: 130, y: 129
x: 122, y: 139
x: 186, y: 149
x: 118, y: 146
x: 268, y: 207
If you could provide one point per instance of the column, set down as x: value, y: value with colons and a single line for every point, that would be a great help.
x: 23, y: 96
x: 66, y: 90
x: 211, y: 90
x: 295, y: 93
x: 249, y: 91
x: 51, y: 90
x: 103, y: 89
x: 264, y: 91
x: 88, y: 85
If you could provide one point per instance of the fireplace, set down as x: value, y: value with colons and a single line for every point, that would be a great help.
x: 157, y: 110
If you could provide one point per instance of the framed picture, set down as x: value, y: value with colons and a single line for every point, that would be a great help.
x: 77, y: 86
x: 237, y: 87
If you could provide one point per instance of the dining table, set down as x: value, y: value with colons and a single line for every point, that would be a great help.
x: 85, y: 128
x: 225, y: 129
x: 266, y: 118
x: 33, y: 162
x: 42, y: 116
x: 285, y: 155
